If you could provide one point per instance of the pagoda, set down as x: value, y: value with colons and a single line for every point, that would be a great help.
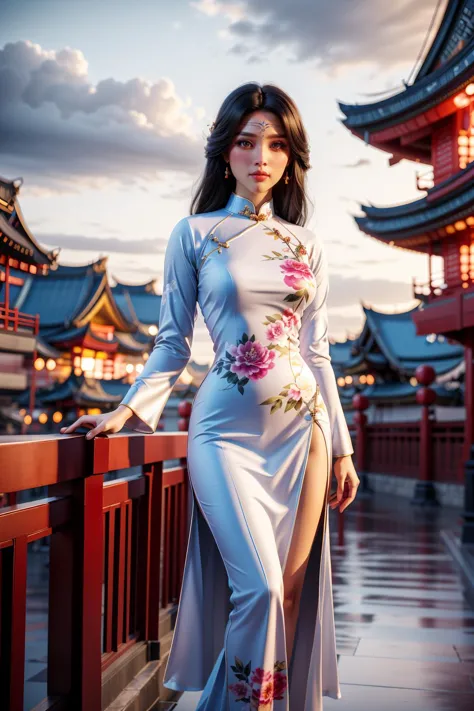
x: 381, y: 363
x: 21, y: 256
x: 431, y: 121
x: 85, y: 336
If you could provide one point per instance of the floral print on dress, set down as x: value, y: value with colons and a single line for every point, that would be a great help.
x: 250, y: 359
x: 258, y: 689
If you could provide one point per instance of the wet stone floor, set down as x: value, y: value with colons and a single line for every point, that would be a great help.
x: 404, y: 618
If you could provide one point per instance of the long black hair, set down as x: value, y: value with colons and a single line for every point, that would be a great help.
x: 213, y: 191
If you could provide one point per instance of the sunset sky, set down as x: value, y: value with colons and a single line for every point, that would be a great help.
x: 105, y: 107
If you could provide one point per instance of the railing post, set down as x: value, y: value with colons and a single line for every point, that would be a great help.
x: 13, y: 563
x: 149, y: 538
x: 360, y: 403
x: 425, y: 491
x: 75, y: 605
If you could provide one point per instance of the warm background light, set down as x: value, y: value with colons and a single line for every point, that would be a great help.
x: 39, y: 364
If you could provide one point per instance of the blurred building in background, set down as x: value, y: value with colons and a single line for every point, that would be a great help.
x: 432, y: 122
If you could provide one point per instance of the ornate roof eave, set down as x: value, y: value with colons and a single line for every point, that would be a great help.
x: 83, y: 336
x: 432, y: 56
x: 50, y: 255
x: 434, y: 88
x: 417, y: 226
x: 76, y: 389
x: 103, y: 301
x: 384, y: 347
x: 45, y: 349
x: 17, y: 246
x: 134, y: 300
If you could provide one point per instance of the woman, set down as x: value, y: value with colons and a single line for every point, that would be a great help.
x: 255, y: 623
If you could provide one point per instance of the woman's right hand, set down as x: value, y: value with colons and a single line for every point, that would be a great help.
x: 100, y: 424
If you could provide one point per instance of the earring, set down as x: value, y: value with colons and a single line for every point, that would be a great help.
x: 226, y: 174
x: 287, y: 178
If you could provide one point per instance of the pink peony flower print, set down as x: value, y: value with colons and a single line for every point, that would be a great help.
x: 241, y: 689
x: 259, y: 676
x: 258, y: 689
x: 291, y: 318
x: 252, y: 360
x: 297, y: 274
x: 263, y: 696
x: 280, y: 683
x: 277, y: 332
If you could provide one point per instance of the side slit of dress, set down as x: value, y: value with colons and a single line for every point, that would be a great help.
x: 302, y: 694
x: 305, y: 691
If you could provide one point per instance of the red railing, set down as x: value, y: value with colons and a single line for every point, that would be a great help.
x: 13, y: 320
x: 117, y: 548
x: 394, y: 448
x: 119, y: 545
x: 448, y: 451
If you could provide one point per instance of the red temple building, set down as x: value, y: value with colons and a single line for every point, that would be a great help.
x: 21, y: 257
x: 432, y: 122
x: 70, y: 343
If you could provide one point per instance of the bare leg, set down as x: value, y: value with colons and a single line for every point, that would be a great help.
x: 312, y: 499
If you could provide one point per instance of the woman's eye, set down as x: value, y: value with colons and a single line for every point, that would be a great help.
x: 278, y: 144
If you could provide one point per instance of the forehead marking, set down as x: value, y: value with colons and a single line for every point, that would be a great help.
x: 262, y: 125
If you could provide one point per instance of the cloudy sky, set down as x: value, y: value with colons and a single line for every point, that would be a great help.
x: 105, y: 106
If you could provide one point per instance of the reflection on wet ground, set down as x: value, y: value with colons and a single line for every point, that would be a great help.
x: 405, y: 628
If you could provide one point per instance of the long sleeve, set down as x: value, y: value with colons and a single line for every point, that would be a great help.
x: 149, y: 394
x: 314, y: 346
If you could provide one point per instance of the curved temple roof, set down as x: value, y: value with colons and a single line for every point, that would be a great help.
x: 447, y: 69
x: 139, y: 301
x: 410, y: 225
x: 456, y: 28
x: 16, y: 240
x: 390, y: 342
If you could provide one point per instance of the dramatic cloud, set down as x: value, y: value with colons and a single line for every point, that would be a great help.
x: 61, y: 130
x: 334, y: 34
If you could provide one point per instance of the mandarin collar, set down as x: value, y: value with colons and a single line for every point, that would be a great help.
x: 237, y: 203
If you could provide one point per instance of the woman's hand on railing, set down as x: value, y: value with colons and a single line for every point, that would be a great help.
x: 100, y: 424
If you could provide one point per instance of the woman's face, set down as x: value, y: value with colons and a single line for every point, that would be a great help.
x: 260, y: 145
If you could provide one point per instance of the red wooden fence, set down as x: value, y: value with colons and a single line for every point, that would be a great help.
x: 394, y: 448
x: 120, y: 544
x: 117, y: 548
